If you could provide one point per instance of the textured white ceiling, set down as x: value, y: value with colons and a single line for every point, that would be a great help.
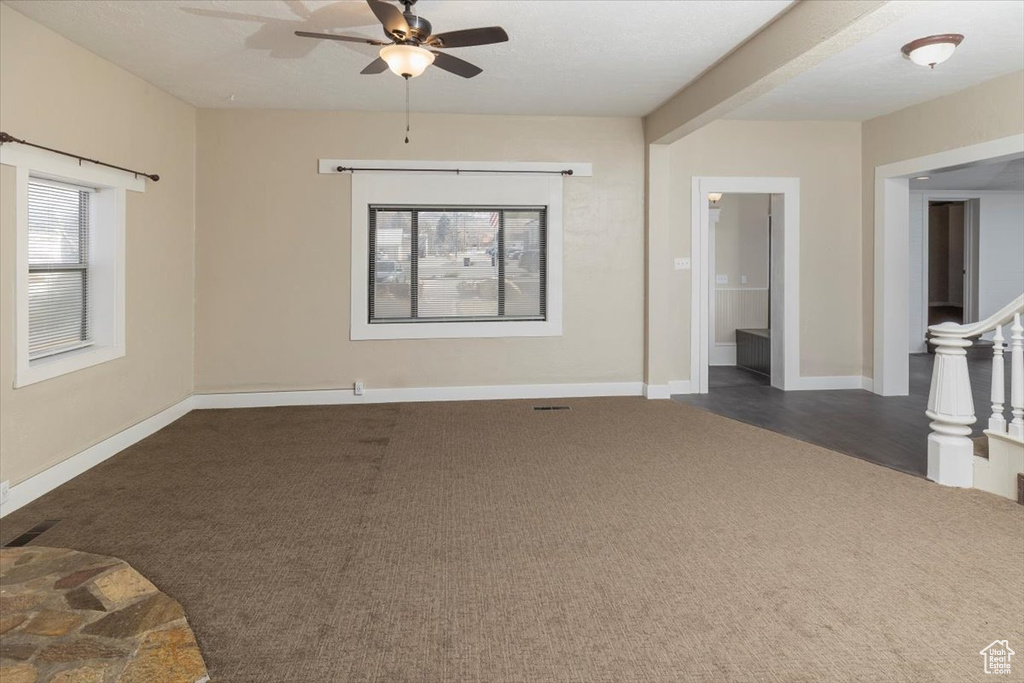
x: 565, y: 57
x: 1002, y: 174
x: 872, y: 78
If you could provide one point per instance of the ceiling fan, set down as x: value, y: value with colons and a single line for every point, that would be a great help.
x: 413, y: 47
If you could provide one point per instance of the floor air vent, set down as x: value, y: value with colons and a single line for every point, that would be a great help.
x: 31, y: 534
x: 552, y: 407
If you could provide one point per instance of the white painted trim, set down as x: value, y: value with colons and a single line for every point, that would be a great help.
x: 785, y: 323
x: 370, y: 189
x: 867, y: 384
x: 266, y: 399
x: 657, y: 391
x: 891, y: 259
x: 722, y: 354
x: 106, y: 263
x: 579, y: 169
x: 679, y: 386
x: 24, y: 493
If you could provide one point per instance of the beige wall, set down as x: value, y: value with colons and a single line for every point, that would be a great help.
x: 58, y: 94
x: 273, y: 256
x: 989, y: 111
x: 741, y: 240
x: 825, y: 156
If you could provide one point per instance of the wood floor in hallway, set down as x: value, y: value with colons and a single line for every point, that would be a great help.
x: 887, y: 430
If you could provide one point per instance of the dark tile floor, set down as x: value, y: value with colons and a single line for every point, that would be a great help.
x: 891, y: 431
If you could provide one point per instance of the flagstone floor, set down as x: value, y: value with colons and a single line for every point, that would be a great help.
x: 73, y: 617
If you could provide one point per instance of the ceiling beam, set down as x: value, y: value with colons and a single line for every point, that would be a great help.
x: 803, y: 36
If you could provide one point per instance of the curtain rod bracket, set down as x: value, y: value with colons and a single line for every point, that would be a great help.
x: 7, y: 137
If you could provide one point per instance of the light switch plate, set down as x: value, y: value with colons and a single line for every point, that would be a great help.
x: 682, y: 263
x: 721, y: 279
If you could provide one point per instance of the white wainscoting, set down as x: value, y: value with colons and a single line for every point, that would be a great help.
x: 737, y: 309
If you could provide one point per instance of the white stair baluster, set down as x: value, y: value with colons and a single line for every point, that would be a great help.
x: 1017, y: 378
x: 997, y: 423
x: 951, y: 409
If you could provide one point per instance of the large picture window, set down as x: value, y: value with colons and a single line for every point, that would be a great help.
x: 451, y: 256
x: 457, y: 264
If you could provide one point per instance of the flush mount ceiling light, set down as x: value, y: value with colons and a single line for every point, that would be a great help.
x: 408, y: 61
x: 714, y: 197
x: 921, y: 177
x: 933, y: 49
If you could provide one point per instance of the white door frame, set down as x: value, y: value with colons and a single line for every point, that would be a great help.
x: 785, y: 297
x: 970, y: 248
x: 891, y: 358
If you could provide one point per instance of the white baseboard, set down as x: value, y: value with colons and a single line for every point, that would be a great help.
x: 657, y: 391
x: 24, y: 493
x: 867, y: 383
x: 825, y: 383
x: 722, y: 354
x: 680, y: 386
x: 266, y: 399
x: 34, y: 487
x: 663, y: 391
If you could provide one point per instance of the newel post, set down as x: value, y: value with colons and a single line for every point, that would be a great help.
x: 951, y: 410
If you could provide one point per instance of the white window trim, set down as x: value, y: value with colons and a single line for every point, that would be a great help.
x: 108, y: 313
x: 454, y: 190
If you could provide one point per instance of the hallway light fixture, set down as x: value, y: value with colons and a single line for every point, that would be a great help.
x: 932, y: 50
x: 714, y: 197
x: 922, y: 177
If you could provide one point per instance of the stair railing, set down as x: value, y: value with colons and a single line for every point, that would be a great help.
x: 950, y: 403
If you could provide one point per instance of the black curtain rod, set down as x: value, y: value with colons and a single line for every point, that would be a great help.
x: 6, y: 137
x: 342, y: 169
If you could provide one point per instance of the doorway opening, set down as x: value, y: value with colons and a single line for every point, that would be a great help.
x: 739, y: 240
x: 776, y: 327
x: 895, y: 285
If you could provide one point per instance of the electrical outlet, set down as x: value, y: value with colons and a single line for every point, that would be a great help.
x: 721, y: 279
x: 682, y: 263
x: 358, y: 388
x: 5, y: 490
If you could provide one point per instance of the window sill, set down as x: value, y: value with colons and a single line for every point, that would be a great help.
x: 63, y: 363
x: 454, y: 330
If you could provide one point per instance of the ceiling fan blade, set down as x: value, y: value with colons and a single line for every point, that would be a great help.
x: 332, y: 36
x: 469, y: 37
x: 375, y: 67
x: 390, y: 16
x: 459, y: 67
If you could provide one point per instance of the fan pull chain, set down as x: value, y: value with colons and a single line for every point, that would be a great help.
x: 407, y: 110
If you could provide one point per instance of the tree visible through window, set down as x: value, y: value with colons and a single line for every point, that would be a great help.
x: 58, y: 265
x: 468, y: 264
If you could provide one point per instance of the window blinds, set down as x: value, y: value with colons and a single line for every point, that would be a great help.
x: 469, y: 264
x: 58, y: 256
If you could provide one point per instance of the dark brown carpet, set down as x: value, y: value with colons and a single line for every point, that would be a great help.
x: 625, y: 540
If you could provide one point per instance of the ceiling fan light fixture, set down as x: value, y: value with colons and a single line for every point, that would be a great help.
x: 932, y: 50
x: 408, y: 61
